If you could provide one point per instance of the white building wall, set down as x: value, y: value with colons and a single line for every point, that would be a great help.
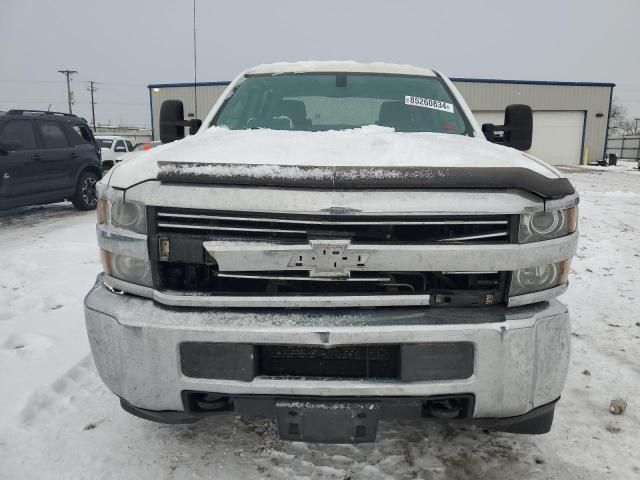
x: 593, y: 100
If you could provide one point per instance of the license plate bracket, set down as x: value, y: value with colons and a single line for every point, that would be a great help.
x: 327, y: 421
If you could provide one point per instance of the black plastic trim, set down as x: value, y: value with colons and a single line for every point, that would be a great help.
x: 420, y: 362
x: 345, y: 177
x: 535, y: 422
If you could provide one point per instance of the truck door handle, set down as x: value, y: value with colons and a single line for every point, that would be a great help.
x: 36, y: 157
x: 74, y: 155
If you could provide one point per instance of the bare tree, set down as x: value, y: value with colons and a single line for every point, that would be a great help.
x: 619, y: 124
x: 617, y: 119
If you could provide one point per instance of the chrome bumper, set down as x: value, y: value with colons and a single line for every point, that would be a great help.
x: 521, y: 354
x: 255, y: 256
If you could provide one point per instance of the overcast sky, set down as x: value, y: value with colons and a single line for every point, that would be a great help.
x: 125, y: 45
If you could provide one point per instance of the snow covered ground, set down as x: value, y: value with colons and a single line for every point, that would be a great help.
x: 57, y: 420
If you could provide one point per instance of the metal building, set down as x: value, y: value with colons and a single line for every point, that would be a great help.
x: 570, y: 119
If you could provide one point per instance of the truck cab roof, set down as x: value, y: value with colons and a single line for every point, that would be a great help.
x: 339, y: 67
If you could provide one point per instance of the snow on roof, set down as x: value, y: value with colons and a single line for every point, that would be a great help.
x: 339, y: 66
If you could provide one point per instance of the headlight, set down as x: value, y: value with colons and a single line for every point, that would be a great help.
x: 535, y: 227
x: 535, y: 279
x: 126, y: 268
x: 130, y: 216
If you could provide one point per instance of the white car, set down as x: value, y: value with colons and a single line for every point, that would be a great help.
x: 137, y: 150
x: 112, y: 146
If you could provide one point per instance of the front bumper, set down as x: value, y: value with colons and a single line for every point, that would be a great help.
x: 521, y: 353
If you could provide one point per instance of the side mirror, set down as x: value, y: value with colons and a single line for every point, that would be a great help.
x: 194, y: 126
x: 517, y: 129
x: 172, y: 122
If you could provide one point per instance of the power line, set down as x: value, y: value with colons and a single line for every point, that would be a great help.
x: 13, y: 100
x: 68, y: 74
x: 58, y: 82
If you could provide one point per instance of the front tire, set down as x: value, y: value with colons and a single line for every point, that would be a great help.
x: 85, y: 196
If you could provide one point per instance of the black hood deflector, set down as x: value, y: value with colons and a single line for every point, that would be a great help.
x: 366, y: 177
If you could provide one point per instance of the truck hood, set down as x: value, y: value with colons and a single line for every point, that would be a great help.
x: 371, y: 156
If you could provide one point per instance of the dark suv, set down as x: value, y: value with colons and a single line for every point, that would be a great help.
x: 47, y: 157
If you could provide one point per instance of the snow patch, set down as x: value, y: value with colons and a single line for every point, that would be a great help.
x: 333, y: 66
x: 250, y: 171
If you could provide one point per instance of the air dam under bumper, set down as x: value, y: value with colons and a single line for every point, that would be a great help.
x: 521, y: 354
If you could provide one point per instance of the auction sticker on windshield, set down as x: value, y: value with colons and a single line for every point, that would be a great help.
x: 428, y: 103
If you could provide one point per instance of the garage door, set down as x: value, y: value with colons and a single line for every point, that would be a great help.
x: 557, y: 136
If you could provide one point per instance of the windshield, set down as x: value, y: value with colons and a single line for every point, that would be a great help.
x: 104, y: 143
x: 316, y: 102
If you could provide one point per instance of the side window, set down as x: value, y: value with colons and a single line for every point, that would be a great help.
x: 80, y: 134
x: 18, y: 135
x: 53, y: 135
x: 129, y: 145
x: 119, y: 146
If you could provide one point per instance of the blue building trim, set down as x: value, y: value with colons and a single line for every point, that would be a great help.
x: 532, y: 82
x: 606, y: 128
x: 584, y: 136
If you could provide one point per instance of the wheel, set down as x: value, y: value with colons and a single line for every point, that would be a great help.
x: 85, y: 196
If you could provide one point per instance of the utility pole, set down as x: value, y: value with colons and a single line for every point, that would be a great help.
x: 92, y: 88
x: 68, y: 73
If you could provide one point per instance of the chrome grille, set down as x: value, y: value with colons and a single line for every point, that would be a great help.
x: 293, y: 228
x: 257, y: 259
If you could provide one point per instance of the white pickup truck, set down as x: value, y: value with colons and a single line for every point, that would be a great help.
x: 337, y: 243
x: 111, y: 148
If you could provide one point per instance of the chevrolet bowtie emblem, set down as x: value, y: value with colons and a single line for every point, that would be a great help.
x: 328, y: 258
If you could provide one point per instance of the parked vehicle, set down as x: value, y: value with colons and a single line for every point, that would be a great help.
x: 338, y: 244
x: 47, y: 157
x: 146, y: 145
x: 137, y: 150
x: 112, y: 146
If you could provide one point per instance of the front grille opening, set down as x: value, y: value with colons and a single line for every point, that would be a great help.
x: 346, y: 362
x: 201, y: 278
x: 220, y: 225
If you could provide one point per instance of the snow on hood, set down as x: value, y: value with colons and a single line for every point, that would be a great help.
x: 370, y: 146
